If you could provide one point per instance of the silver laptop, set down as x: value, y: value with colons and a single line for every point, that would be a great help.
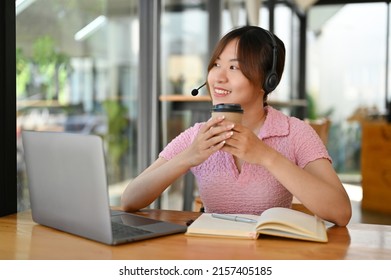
x: 67, y: 181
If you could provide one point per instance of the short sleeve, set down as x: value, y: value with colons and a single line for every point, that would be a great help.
x: 307, y: 143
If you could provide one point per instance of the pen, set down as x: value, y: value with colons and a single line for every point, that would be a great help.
x: 233, y: 218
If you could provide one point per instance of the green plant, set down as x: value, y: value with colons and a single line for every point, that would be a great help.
x: 23, y: 73
x: 52, y: 65
x: 116, y: 138
x: 45, y: 72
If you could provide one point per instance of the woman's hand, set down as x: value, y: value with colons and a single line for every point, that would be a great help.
x: 211, y: 138
x: 245, y: 145
x: 316, y: 183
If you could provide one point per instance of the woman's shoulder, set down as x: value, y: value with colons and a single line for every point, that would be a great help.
x: 292, y: 121
x: 293, y: 128
x: 278, y: 124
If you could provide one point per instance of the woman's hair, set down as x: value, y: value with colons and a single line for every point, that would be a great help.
x: 255, y: 53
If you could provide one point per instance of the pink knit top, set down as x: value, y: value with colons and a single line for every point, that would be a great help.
x: 223, y: 189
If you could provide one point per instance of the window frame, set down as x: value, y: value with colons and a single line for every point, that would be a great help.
x: 8, y: 181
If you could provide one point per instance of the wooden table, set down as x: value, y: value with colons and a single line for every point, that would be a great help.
x: 21, y: 238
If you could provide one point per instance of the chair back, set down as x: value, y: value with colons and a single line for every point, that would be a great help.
x: 322, y: 127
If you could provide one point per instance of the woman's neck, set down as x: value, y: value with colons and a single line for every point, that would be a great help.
x: 254, y: 119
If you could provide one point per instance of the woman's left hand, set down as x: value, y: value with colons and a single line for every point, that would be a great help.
x: 245, y: 145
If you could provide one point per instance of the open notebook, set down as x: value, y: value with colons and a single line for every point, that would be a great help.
x: 67, y: 181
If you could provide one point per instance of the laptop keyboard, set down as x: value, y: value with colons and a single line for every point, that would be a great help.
x: 123, y: 231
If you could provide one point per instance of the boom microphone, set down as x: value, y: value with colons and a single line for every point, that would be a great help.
x: 194, y: 92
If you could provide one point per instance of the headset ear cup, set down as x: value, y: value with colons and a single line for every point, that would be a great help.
x: 271, y: 79
x: 271, y: 82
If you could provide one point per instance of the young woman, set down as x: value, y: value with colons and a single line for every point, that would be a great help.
x: 258, y: 164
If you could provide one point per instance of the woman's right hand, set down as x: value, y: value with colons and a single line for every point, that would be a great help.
x: 145, y: 188
x: 210, y: 139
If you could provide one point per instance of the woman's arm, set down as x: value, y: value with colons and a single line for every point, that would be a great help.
x: 317, y: 186
x: 146, y: 187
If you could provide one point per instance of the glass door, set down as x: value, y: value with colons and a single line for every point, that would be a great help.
x: 77, y: 65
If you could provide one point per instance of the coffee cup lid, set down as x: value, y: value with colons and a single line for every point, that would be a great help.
x: 227, y: 107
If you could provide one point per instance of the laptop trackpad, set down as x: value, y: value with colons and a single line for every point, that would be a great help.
x: 145, y: 223
x: 133, y: 220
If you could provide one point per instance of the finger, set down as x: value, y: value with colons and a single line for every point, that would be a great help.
x: 211, y: 123
x: 218, y: 130
x: 227, y: 122
x: 222, y: 137
x: 229, y: 149
x: 238, y: 128
x: 217, y: 147
x: 235, y: 141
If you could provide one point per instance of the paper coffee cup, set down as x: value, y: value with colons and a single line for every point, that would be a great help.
x: 232, y: 112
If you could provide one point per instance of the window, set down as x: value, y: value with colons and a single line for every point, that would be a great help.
x: 347, y: 73
x: 77, y: 65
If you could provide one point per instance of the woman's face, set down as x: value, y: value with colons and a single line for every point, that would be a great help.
x: 227, y: 83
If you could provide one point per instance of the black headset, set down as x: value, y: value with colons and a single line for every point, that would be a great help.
x: 271, y: 77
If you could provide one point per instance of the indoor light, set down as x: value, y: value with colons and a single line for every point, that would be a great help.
x: 90, y: 28
x: 21, y: 5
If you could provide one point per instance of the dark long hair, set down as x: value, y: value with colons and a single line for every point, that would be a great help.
x: 255, y: 53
